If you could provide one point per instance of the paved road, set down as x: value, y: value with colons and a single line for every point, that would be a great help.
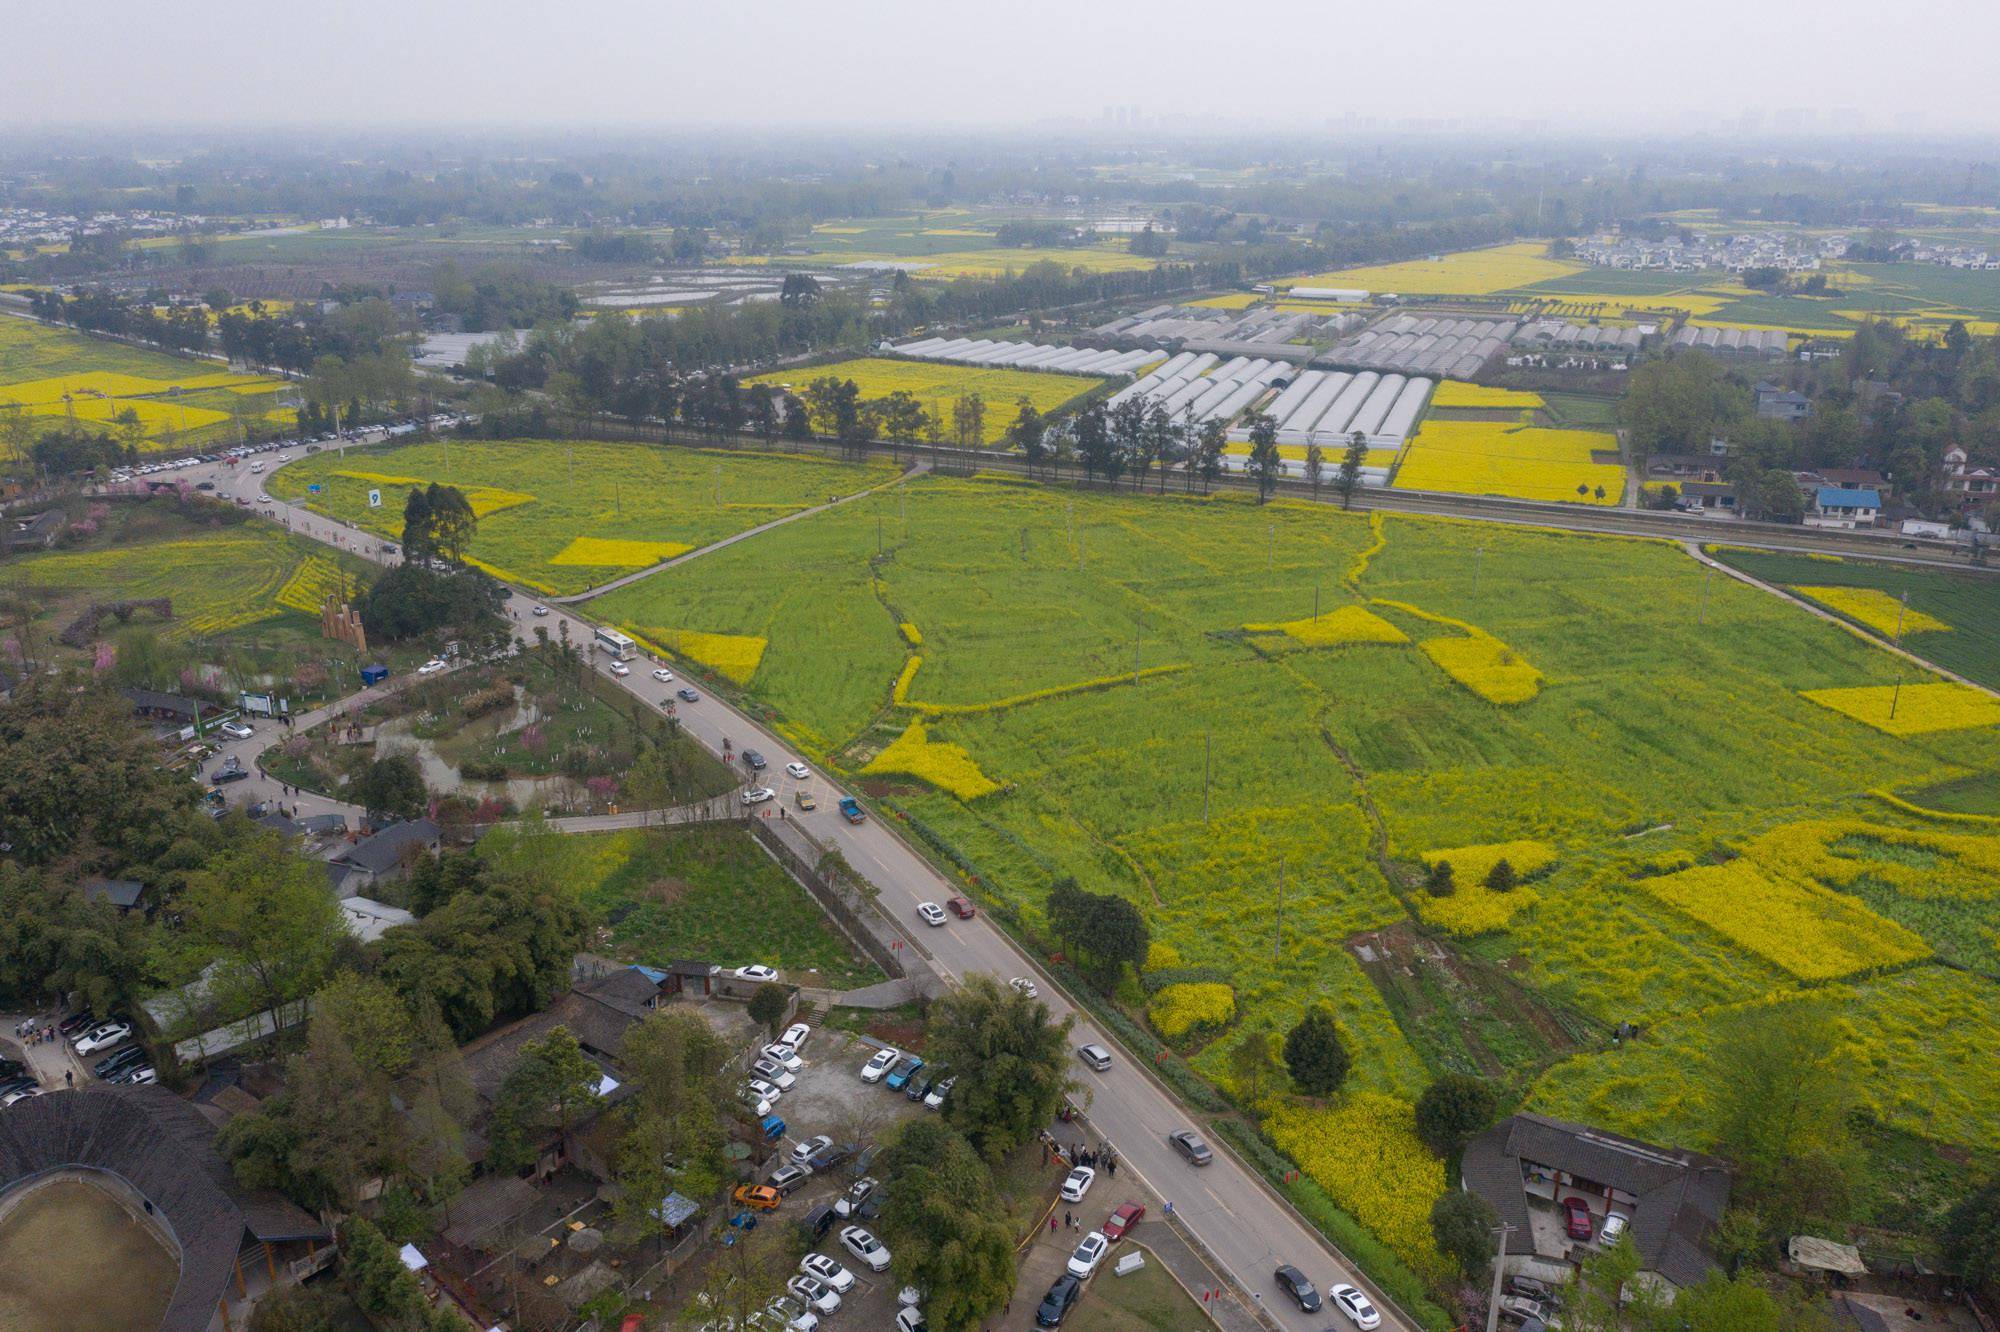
x: 1225, y: 1205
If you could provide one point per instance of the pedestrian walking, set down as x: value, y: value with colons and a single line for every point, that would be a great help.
x: 69, y: 1077
x: 1068, y: 1220
x: 1052, y: 1223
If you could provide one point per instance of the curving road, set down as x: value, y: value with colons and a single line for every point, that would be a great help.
x: 1248, y: 1228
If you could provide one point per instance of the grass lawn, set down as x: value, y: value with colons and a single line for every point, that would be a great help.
x: 938, y: 385
x: 1148, y: 1300
x: 712, y: 893
x: 563, y: 516
x: 1538, y: 687
x: 103, y: 379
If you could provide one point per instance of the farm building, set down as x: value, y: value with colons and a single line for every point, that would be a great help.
x: 1532, y: 1169
x: 1423, y: 344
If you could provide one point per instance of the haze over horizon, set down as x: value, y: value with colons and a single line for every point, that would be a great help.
x: 1564, y: 67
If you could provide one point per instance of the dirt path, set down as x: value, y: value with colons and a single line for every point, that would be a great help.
x: 1703, y: 557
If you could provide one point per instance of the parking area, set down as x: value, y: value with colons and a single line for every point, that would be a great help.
x: 51, y: 1052
x: 829, y: 1098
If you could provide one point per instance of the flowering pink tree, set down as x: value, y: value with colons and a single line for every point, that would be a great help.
x: 104, y: 659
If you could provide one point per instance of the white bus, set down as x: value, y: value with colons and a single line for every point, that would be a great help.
x: 619, y: 646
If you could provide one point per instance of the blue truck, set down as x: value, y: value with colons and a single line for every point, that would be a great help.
x: 850, y: 809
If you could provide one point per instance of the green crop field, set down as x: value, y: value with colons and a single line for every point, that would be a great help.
x: 563, y: 516
x: 245, y: 596
x: 1969, y: 603
x: 1134, y: 691
x: 53, y: 375
x: 709, y: 893
x: 937, y: 385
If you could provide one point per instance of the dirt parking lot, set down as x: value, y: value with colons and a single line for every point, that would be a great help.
x: 829, y: 1097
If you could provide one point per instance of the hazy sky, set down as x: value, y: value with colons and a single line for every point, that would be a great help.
x: 947, y: 63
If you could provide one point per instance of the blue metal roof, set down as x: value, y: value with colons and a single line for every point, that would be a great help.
x: 1834, y: 497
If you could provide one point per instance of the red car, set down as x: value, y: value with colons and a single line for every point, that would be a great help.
x: 962, y: 908
x: 1576, y: 1218
x: 1121, y: 1221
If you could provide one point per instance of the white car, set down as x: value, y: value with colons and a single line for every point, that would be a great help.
x: 784, y: 1056
x: 795, y: 1035
x: 756, y: 971
x: 932, y: 913
x: 754, y: 1101
x: 1088, y: 1255
x: 803, y: 1152
x: 935, y: 1097
x: 879, y: 1064
x: 762, y: 1090
x: 909, y: 1297
x: 256, y: 467
x: 620, y: 669
x: 773, y: 1074
x: 20, y: 1095
x: 757, y: 795
x: 814, y: 1294
x: 791, y: 1315
x: 1078, y: 1183
x: 541, y: 610
x: 1356, y: 1306
x: 797, y: 771
x: 1025, y: 986
x: 102, y: 1037
x: 236, y: 730
x: 909, y: 1318
x: 865, y: 1247
x: 431, y: 667
x: 822, y: 1268
x: 1614, y: 1229
x: 857, y: 1193
x: 663, y: 675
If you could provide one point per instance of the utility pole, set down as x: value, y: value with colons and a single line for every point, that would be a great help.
x: 1499, y: 1263
x: 1707, y: 576
x: 1207, y: 753
x: 1903, y: 604
x: 1278, y: 935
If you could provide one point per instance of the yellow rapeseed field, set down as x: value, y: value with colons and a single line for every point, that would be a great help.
x: 1472, y: 907
x: 732, y: 656
x: 618, y: 552
x: 1458, y: 393
x: 1522, y: 462
x: 1811, y: 931
x: 1178, y: 1009
x: 938, y: 386
x: 1486, y: 666
x: 1344, y: 624
x: 1364, y: 1150
x: 1466, y: 273
x: 1914, y: 709
x: 1874, y: 608
x: 945, y: 766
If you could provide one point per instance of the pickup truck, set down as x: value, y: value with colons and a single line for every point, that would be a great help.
x: 850, y: 809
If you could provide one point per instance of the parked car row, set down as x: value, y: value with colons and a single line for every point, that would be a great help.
x: 1089, y: 1254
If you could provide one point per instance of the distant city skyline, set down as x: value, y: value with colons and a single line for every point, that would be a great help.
x: 1781, y: 67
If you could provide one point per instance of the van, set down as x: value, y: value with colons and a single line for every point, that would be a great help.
x: 817, y: 1222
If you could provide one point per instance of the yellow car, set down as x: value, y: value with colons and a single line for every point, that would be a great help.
x: 804, y: 800
x: 757, y: 1197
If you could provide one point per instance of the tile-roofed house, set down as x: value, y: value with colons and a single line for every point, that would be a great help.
x: 387, y: 854
x: 37, y: 531
x: 1673, y: 1197
x: 125, y: 894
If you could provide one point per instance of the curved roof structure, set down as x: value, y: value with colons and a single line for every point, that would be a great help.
x: 162, y: 1147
